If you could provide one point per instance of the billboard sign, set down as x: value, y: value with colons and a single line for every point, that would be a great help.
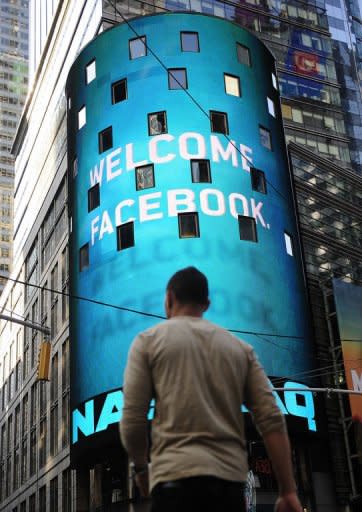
x: 348, y: 300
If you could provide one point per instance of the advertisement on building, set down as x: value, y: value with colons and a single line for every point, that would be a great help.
x: 176, y: 157
x: 348, y: 299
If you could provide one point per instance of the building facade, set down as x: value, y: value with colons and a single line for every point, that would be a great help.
x: 35, y: 433
x: 13, y: 89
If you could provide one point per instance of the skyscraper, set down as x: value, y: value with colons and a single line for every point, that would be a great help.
x: 13, y: 89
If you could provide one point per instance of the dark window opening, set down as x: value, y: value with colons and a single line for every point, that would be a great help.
x: 219, y: 122
x: 93, y: 197
x: 145, y: 177
x: 247, y: 228
x: 258, y: 181
x: 177, y: 78
x: 157, y: 123
x: 105, y: 139
x: 119, y: 91
x: 188, y: 225
x: 200, y: 171
x: 137, y: 47
x: 265, y: 137
x: 243, y: 54
x: 125, y: 236
x: 84, y: 257
x: 190, y: 42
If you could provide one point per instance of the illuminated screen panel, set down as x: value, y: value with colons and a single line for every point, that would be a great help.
x: 160, y: 179
x: 348, y: 299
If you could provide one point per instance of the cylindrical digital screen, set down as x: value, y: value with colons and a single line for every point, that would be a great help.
x: 176, y: 158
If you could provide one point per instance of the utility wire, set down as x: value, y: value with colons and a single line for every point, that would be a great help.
x: 153, y: 315
x: 192, y: 98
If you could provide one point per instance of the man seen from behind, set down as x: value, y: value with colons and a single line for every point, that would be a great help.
x: 199, y: 375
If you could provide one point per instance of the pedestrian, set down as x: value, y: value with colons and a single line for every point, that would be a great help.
x: 199, y: 375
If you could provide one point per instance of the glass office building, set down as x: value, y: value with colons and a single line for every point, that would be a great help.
x: 13, y: 89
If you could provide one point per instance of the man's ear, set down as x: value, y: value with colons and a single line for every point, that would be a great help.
x: 206, y: 306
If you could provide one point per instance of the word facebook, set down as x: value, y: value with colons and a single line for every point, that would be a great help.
x: 150, y: 207
x: 296, y: 403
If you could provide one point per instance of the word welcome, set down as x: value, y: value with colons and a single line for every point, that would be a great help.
x: 164, y: 148
x: 296, y: 403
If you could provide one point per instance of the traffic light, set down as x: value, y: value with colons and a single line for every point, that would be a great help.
x: 44, y: 359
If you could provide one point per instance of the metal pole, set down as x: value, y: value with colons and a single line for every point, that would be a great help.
x: 321, y: 390
x: 26, y: 323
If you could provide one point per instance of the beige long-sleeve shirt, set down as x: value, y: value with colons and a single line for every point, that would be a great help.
x: 199, y: 375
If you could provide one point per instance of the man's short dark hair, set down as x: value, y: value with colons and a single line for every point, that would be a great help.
x: 189, y: 286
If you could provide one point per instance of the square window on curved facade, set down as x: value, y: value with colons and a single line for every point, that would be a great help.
x: 219, y: 122
x: 190, y: 42
x: 84, y: 257
x: 93, y: 197
x: 247, y: 228
x: 145, y: 177
x: 105, y: 139
x: 200, y: 171
x: 177, y: 78
x: 288, y: 243
x: 258, y: 181
x: 125, y: 236
x: 243, y: 54
x: 119, y: 91
x: 82, y: 117
x: 157, y: 123
x: 271, y: 107
x: 232, y: 85
x: 188, y: 225
x: 137, y: 47
x: 90, y: 72
x: 265, y: 137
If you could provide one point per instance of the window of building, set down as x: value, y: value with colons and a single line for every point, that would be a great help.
x: 157, y: 123
x: 145, y: 177
x: 23, y: 506
x: 54, y: 430
x: 93, y: 197
x: 265, y: 137
x: 105, y: 139
x: 32, y: 507
x: 119, y: 91
x: 137, y: 47
x: 243, y: 54
x: 90, y: 72
x: 67, y: 491
x: 274, y: 81
x: 54, y: 495
x: 271, y: 107
x: 200, y: 171
x: 232, y: 85
x: 190, y: 42
x: 42, y: 442
x: 42, y: 499
x: 188, y: 225
x: 247, y: 228
x: 82, y: 117
x: 219, y: 122
x: 288, y: 243
x: 258, y: 181
x: 75, y: 167
x: 125, y: 236
x: 177, y: 78
x: 84, y: 257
